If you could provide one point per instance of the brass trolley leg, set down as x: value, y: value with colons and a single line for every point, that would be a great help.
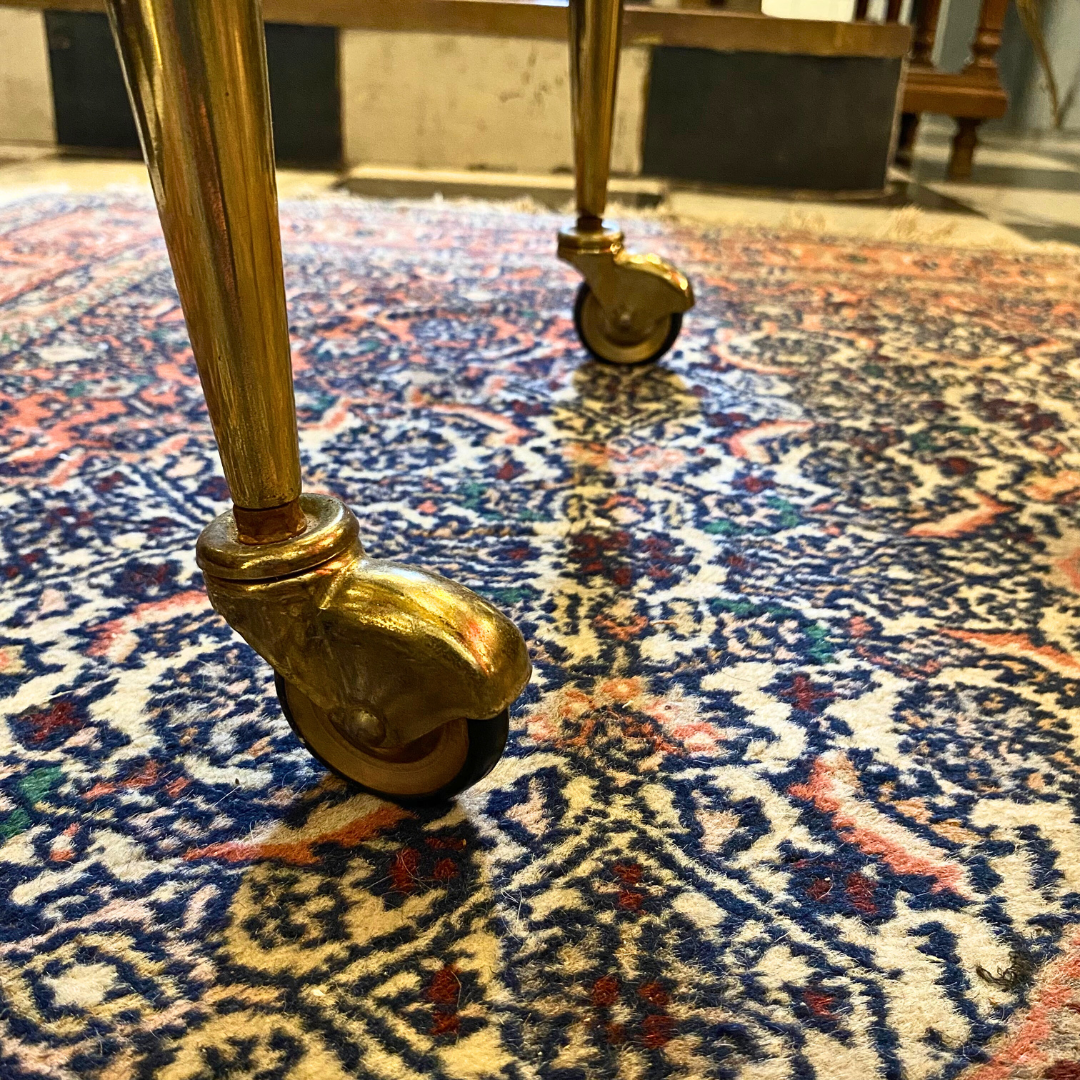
x: 629, y: 308
x: 395, y: 677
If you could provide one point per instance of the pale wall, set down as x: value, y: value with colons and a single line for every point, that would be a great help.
x: 25, y: 91
x: 456, y: 101
x: 1029, y: 103
x: 832, y: 10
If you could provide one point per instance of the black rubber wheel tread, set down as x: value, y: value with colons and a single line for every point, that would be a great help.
x: 487, y: 740
x: 579, y: 304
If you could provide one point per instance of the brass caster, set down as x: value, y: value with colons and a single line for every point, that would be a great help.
x: 605, y: 341
x: 435, y: 767
x: 396, y: 678
x: 629, y: 308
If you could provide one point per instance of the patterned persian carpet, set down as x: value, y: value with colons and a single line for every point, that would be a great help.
x: 793, y: 792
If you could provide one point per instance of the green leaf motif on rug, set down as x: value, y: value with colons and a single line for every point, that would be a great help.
x: 819, y: 650
x: 724, y: 528
x: 514, y: 594
x: 923, y: 440
x: 789, y: 516
x: 39, y: 783
x: 16, y: 822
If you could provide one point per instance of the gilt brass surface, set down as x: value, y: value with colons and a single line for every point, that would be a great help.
x: 196, y: 72
x: 595, y: 27
x: 330, y: 528
x: 388, y: 652
x: 621, y: 343
x: 266, y: 526
x: 387, y: 668
x: 422, y: 766
x: 633, y: 297
x: 628, y: 317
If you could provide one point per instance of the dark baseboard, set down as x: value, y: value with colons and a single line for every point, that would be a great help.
x: 92, y: 109
x: 304, y: 97
x: 89, y: 97
x: 769, y: 120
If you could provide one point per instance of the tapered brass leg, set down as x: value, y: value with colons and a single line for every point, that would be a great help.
x: 395, y: 677
x: 629, y: 308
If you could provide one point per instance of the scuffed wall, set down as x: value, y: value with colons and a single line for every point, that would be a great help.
x: 26, y: 113
x: 457, y: 101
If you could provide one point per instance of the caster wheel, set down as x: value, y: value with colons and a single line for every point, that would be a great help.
x: 605, y: 343
x: 432, y: 769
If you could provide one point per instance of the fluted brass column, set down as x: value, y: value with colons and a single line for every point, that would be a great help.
x: 595, y: 30
x: 196, y: 73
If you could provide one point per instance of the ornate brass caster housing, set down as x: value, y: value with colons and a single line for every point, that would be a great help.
x: 629, y: 307
x: 390, y: 674
x: 395, y: 677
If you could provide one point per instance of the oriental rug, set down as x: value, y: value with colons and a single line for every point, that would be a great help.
x: 794, y: 790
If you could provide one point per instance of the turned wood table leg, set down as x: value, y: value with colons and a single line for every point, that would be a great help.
x: 963, y: 147
x: 982, y: 67
x: 926, y: 20
x: 905, y: 143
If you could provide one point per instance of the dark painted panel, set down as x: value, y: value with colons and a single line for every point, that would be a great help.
x: 304, y: 99
x: 92, y: 108
x: 766, y: 120
x: 89, y: 96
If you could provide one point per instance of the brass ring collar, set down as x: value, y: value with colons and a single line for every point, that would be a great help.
x: 577, y: 241
x: 331, y: 529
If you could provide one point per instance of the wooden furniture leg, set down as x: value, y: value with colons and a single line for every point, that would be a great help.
x: 987, y: 41
x: 963, y: 147
x: 926, y: 20
x: 982, y: 69
x: 926, y: 14
x: 905, y: 143
x: 972, y: 95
